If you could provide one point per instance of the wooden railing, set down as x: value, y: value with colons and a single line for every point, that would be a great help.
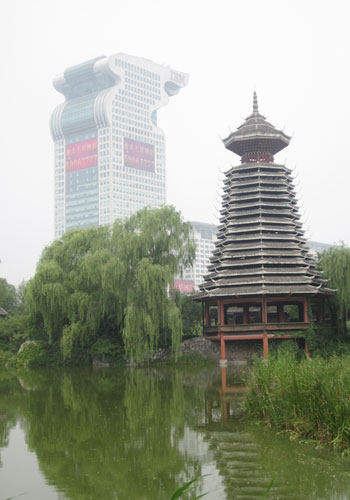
x: 251, y: 329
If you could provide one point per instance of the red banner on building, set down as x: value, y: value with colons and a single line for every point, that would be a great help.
x: 138, y: 155
x: 184, y: 286
x: 82, y: 155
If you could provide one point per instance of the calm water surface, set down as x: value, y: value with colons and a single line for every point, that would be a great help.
x: 139, y: 434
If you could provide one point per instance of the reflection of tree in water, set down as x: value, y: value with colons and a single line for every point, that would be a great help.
x: 106, y: 436
x: 110, y: 435
x: 10, y: 398
x: 248, y: 456
x: 152, y: 441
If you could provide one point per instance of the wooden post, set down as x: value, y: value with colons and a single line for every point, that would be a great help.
x: 265, y: 345
x: 223, y: 349
x: 307, y: 352
x: 306, y: 312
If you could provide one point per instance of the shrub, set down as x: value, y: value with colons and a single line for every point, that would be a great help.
x: 12, y: 332
x: 106, y: 350
x: 33, y: 353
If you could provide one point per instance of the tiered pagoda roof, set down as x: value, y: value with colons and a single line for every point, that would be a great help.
x: 260, y: 249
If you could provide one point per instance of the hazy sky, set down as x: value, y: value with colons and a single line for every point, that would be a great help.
x: 296, y: 54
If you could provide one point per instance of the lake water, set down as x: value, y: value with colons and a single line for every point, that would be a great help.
x: 140, y: 434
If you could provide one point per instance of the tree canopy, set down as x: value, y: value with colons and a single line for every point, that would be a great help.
x: 335, y: 264
x: 8, y: 297
x: 103, y: 282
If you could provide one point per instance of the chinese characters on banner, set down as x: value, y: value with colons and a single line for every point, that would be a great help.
x: 81, y: 155
x: 138, y: 155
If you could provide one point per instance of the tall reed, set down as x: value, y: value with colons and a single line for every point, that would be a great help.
x: 310, y: 397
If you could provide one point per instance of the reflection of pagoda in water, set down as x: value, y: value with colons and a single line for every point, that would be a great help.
x: 239, y: 457
x: 262, y: 281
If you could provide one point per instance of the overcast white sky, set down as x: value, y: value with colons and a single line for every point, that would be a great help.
x: 296, y: 54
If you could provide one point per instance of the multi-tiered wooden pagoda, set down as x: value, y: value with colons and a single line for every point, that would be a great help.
x: 262, y: 280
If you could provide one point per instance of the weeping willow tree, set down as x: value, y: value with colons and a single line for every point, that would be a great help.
x: 335, y: 264
x: 104, y: 282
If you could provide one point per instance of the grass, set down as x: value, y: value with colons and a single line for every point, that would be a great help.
x: 309, y: 397
x: 185, y: 488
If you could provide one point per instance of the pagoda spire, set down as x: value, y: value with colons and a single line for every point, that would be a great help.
x: 256, y: 139
x: 255, y: 104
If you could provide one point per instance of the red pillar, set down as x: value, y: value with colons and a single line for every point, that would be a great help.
x: 306, y: 311
x: 223, y: 348
x: 307, y: 352
x: 265, y: 345
x: 224, y: 412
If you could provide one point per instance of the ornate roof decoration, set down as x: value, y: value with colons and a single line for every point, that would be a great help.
x: 260, y: 248
x: 256, y: 137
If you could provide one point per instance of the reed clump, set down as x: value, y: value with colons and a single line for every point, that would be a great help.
x: 309, y: 396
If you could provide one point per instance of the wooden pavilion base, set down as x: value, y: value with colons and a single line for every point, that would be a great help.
x: 246, y: 330
x: 265, y: 334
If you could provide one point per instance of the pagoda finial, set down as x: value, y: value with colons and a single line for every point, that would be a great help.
x: 255, y: 103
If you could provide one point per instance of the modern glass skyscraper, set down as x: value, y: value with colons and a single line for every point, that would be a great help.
x: 109, y: 151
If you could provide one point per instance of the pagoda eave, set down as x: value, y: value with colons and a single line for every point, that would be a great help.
x: 256, y: 143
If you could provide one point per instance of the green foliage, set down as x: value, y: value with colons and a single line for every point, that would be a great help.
x: 322, y: 341
x: 12, y: 332
x: 191, y: 314
x: 335, y: 264
x: 33, y: 354
x: 106, y: 350
x: 310, y: 397
x: 10, y: 299
x: 112, y: 283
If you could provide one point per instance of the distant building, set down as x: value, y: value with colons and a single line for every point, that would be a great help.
x: 205, y: 236
x: 109, y: 151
